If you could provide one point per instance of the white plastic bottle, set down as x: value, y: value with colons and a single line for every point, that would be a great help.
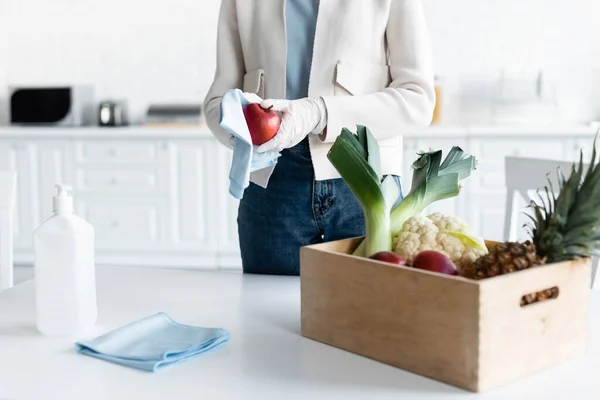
x: 65, y: 280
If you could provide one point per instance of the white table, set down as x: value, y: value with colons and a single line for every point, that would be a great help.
x: 266, y: 357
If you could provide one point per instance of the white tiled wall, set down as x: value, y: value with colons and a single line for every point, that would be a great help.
x: 151, y: 50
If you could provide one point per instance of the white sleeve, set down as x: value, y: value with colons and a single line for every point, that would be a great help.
x: 409, y: 100
x: 230, y: 68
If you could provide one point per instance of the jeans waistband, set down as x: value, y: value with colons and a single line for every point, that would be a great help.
x: 302, y: 148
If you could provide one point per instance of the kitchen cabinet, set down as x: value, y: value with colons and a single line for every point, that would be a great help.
x: 151, y: 198
x: 227, y: 210
x: 192, y: 204
x: 124, y: 224
x: 160, y: 197
x: 16, y: 155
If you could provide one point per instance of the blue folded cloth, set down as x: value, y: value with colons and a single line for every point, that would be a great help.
x: 245, y: 158
x: 153, y: 342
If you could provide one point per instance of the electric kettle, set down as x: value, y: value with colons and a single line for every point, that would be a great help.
x: 112, y: 113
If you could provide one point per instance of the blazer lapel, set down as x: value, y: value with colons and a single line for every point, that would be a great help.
x: 272, y: 47
x: 325, y: 42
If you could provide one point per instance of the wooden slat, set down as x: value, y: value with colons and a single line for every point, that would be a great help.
x: 411, y: 319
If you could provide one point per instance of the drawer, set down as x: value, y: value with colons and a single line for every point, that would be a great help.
x: 122, y: 224
x: 127, y: 181
x: 119, y: 151
x: 494, y: 149
x: 585, y: 145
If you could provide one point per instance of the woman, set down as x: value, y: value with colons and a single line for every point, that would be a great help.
x: 325, y: 65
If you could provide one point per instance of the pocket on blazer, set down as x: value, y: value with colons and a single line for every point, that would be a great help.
x: 352, y: 78
x: 254, y: 82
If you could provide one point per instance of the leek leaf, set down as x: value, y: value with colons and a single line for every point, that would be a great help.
x: 434, y: 166
x: 420, y: 170
x: 455, y: 154
x: 463, y: 167
x: 372, y: 148
x: 352, y: 140
x: 469, y: 240
x: 364, y: 183
x: 438, y: 188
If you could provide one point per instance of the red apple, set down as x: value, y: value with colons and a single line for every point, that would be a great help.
x: 434, y: 261
x: 389, y: 257
x: 262, y: 123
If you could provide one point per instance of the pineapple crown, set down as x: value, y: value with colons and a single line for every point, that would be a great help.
x: 567, y: 226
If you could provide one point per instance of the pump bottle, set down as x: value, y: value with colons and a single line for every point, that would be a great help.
x: 65, y: 282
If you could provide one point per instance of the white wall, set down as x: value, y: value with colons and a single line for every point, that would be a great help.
x: 143, y: 50
x: 158, y: 51
x: 480, y: 37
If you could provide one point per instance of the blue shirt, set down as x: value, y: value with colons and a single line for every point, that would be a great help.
x: 301, y: 23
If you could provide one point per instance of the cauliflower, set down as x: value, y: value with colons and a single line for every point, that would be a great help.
x: 441, y: 232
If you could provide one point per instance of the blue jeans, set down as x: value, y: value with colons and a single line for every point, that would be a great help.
x: 294, y: 211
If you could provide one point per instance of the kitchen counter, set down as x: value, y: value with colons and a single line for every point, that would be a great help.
x: 506, y: 130
x: 201, y: 130
x: 160, y: 195
x: 96, y: 132
x: 266, y: 358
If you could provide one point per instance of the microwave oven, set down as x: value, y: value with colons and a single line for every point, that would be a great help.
x: 51, y: 105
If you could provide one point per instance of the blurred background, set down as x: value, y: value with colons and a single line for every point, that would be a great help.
x: 157, y: 51
x: 514, y: 78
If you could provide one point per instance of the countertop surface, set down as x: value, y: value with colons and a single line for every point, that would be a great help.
x: 201, y: 131
x: 266, y: 358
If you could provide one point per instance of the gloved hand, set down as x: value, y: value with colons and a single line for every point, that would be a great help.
x: 299, y: 118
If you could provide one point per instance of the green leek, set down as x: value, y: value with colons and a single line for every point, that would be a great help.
x: 356, y: 158
x: 432, y: 182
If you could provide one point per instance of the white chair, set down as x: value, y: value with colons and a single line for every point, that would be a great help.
x: 524, y: 176
x: 8, y: 183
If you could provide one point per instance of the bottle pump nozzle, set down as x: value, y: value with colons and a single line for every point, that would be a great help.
x: 63, y: 202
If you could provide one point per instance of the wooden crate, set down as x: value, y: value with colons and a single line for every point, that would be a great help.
x: 471, y: 334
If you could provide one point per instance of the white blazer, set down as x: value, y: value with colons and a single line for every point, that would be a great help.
x: 372, y: 66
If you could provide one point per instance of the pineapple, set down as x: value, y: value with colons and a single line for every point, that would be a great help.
x: 503, y: 259
x: 563, y: 227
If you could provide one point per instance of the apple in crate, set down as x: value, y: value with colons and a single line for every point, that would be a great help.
x: 434, y: 261
x: 389, y: 257
x: 263, y: 123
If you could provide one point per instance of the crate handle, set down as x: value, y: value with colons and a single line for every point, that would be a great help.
x: 540, y: 296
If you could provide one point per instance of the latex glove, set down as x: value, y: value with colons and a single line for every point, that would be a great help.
x: 299, y: 118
